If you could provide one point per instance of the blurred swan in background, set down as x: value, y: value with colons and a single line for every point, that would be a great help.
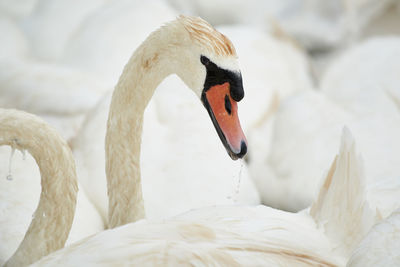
x: 317, y: 25
x: 107, y: 37
x: 12, y: 39
x: 51, y: 23
x: 362, y: 96
x: 364, y: 78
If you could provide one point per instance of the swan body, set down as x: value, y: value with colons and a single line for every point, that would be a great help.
x: 17, y: 9
x: 59, y: 94
x: 347, y: 99
x: 242, y: 236
x: 381, y: 246
x: 305, y: 132
x: 288, y: 176
x: 50, y: 224
x: 104, y: 41
x: 316, y: 25
x: 52, y: 23
x: 372, y: 85
x: 13, y: 42
x: 228, y: 241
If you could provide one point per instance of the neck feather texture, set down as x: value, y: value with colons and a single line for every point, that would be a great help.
x: 148, y: 66
x: 53, y: 217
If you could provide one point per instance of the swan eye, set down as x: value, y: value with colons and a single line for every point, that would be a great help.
x: 204, y: 60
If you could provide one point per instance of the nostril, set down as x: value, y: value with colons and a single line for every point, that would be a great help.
x: 228, y: 106
x: 243, y: 149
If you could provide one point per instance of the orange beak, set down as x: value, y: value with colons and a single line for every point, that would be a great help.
x: 223, y: 111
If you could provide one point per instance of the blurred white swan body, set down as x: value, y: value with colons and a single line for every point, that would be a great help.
x: 305, y: 131
x: 105, y: 39
x: 371, y: 87
x: 12, y: 40
x: 59, y: 94
x: 52, y: 23
x: 362, y: 96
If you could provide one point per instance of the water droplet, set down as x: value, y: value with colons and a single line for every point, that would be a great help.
x: 44, y: 214
x: 23, y: 154
x: 237, y: 189
x: 9, y: 175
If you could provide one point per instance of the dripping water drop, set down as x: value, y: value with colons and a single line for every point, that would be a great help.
x: 23, y: 154
x: 9, y: 176
x: 237, y: 189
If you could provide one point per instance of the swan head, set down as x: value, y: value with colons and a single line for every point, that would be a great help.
x: 210, y: 69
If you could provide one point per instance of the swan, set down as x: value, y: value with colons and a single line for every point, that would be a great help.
x: 51, y: 24
x: 371, y: 86
x: 325, y: 234
x: 17, y: 10
x: 206, y: 61
x: 59, y: 94
x: 13, y: 42
x: 106, y: 35
x: 165, y: 182
x: 305, y: 131
x: 316, y: 25
x: 381, y: 246
x: 213, y: 234
x: 266, y: 63
x: 50, y: 224
x: 365, y: 98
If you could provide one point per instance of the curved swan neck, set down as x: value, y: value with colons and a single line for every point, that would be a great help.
x: 148, y: 66
x: 53, y: 217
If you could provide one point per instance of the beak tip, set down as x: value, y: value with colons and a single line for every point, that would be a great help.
x: 243, y: 149
x: 242, y: 152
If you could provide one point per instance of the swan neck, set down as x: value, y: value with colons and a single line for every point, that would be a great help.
x: 148, y: 66
x: 51, y: 224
